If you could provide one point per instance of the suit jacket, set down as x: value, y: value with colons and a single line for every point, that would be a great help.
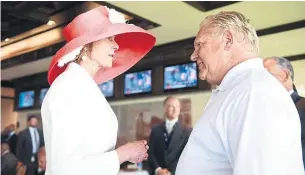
x: 12, y: 141
x: 80, y: 127
x: 165, y: 154
x: 8, y: 164
x: 295, y: 97
x: 24, y: 145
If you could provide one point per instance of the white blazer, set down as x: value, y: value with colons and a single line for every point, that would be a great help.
x: 80, y: 128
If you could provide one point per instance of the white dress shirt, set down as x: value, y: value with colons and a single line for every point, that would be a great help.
x: 80, y: 128
x: 169, y: 124
x: 35, y: 139
x: 250, y: 127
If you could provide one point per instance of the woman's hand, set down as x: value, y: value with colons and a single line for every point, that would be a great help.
x: 134, y: 152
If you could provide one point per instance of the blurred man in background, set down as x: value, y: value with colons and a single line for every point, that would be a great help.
x: 8, y: 160
x: 167, y: 140
x: 283, y: 71
x: 29, y: 142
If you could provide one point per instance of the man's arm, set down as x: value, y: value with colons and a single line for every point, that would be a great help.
x: 264, y: 135
x: 152, y: 160
x: 19, y: 145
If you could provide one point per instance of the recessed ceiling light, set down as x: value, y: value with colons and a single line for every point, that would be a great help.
x: 7, y: 39
x: 51, y: 22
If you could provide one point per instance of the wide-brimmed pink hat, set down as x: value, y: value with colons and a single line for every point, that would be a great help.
x: 96, y: 24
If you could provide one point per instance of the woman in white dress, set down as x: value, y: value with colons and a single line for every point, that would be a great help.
x: 80, y: 128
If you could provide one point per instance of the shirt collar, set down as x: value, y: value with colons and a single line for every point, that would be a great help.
x: 11, y: 133
x: 31, y: 128
x: 171, y: 122
x: 237, y: 70
x: 291, y: 92
x: 5, y: 152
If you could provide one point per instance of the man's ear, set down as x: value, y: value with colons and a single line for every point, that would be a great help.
x: 286, y: 75
x: 283, y: 75
x: 227, y: 39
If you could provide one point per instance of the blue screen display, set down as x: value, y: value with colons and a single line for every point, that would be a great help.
x: 43, y: 93
x: 137, y: 82
x: 180, y: 76
x: 107, y: 88
x: 26, y: 99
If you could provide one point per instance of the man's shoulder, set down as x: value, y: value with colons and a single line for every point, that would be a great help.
x: 23, y: 132
x: 157, y: 127
x: 12, y: 156
x: 259, y: 81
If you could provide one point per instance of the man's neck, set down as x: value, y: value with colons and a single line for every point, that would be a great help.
x: 171, y: 120
x: 235, y: 60
x: 290, y: 89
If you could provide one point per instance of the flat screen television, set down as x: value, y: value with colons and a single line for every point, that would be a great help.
x: 107, y: 88
x: 137, y: 82
x: 180, y: 76
x: 43, y: 93
x: 26, y: 99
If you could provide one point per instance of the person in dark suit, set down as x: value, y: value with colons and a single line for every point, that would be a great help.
x: 8, y: 160
x: 28, y: 144
x: 42, y: 161
x: 12, y: 138
x: 167, y: 140
x: 283, y: 71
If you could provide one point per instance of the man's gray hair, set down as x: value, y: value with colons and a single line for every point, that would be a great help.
x: 285, y: 64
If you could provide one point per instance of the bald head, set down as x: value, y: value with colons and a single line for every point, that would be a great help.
x: 281, y: 69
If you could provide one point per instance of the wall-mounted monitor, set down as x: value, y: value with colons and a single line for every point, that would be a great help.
x: 107, y: 88
x: 26, y: 99
x: 138, y: 82
x: 42, y: 94
x: 180, y: 76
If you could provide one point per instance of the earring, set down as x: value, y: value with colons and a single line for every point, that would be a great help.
x: 84, y: 57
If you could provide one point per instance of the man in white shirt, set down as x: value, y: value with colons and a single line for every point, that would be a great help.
x: 250, y: 125
x: 167, y: 140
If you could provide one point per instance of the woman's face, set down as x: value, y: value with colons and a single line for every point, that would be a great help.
x: 103, y: 51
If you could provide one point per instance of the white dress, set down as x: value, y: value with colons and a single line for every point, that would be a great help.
x: 249, y: 127
x: 80, y: 128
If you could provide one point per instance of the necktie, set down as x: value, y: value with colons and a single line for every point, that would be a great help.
x: 169, y: 128
x: 36, y: 140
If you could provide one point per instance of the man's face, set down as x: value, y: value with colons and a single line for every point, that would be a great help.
x: 210, y: 55
x: 33, y: 122
x: 272, y: 67
x: 172, y: 108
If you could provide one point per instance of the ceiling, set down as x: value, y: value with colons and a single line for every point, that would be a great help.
x: 168, y: 21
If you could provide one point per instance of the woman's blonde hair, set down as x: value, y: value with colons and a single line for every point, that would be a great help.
x: 85, y: 51
x: 234, y: 20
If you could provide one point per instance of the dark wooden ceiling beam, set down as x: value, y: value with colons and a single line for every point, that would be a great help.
x: 29, y: 15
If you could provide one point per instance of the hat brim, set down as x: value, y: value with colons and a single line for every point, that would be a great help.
x: 134, y: 43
